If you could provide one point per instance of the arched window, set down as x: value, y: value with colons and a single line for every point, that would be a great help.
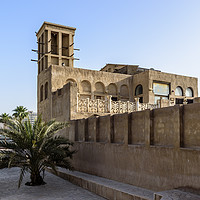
x: 85, y: 87
x: 41, y: 93
x: 46, y: 90
x: 179, y: 91
x: 99, y: 88
x: 138, y: 90
x: 124, y: 91
x: 70, y: 80
x: 189, y: 92
x: 112, y: 89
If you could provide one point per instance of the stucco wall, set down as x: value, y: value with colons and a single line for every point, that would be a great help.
x: 61, y: 104
x: 143, y: 79
x: 60, y: 76
x: 119, y: 128
x: 157, y: 149
x: 174, y: 80
x: 91, y: 124
x: 44, y: 106
x: 103, y: 133
x: 191, y: 127
x: 165, y: 125
x: 137, y: 132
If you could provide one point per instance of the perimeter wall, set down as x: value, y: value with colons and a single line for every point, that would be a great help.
x: 157, y: 149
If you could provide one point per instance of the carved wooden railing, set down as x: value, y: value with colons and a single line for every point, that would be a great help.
x: 92, y: 105
x: 122, y: 106
x: 109, y: 106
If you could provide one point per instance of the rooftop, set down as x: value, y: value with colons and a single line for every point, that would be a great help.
x: 55, y: 25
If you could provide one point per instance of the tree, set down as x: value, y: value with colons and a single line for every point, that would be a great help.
x: 4, y: 117
x: 20, y: 113
x: 35, y: 147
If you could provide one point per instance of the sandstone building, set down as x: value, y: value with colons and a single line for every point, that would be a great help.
x: 32, y: 116
x: 157, y: 149
x: 65, y: 92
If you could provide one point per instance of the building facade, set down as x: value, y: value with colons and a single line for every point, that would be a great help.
x: 32, y: 116
x: 66, y: 93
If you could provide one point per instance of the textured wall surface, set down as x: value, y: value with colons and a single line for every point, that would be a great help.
x: 158, y: 149
x: 191, y: 125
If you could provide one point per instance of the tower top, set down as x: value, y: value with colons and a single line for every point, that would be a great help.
x: 53, y: 26
x: 55, y: 45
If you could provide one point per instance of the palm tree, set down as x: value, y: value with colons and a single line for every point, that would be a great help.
x: 20, y: 112
x: 4, y: 117
x: 35, y: 147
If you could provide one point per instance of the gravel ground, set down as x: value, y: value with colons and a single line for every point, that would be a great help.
x: 56, y: 188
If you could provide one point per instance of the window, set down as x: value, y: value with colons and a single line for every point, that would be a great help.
x: 179, y: 101
x: 138, y: 90
x: 99, y: 88
x: 54, y: 43
x: 114, y: 98
x: 46, y: 90
x: 70, y: 80
x: 141, y: 99
x: 189, y: 92
x: 179, y: 91
x: 85, y: 87
x: 112, y: 89
x: 161, y: 91
x: 124, y: 92
x: 189, y: 101
x: 98, y: 97
x: 41, y: 93
x: 38, y: 67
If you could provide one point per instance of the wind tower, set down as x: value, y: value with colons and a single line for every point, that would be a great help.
x: 55, y: 47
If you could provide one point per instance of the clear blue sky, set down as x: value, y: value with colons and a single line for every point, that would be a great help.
x: 160, y: 34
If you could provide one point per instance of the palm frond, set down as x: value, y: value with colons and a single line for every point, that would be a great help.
x: 35, y: 147
x: 23, y: 171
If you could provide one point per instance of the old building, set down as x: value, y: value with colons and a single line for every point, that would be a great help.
x: 32, y: 116
x: 156, y: 149
x: 65, y: 92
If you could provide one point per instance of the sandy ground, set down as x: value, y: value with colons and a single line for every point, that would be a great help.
x: 56, y: 188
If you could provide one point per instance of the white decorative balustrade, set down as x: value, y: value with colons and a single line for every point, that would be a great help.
x: 122, y: 106
x: 92, y: 106
x: 109, y: 106
x: 144, y: 106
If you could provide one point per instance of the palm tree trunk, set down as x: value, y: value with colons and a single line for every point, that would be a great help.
x: 36, y: 178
